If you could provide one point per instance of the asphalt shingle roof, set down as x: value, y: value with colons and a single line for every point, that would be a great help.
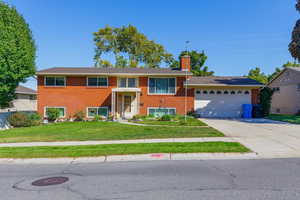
x: 93, y: 70
x: 222, y: 80
x: 24, y: 90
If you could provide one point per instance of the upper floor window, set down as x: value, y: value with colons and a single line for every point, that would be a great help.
x: 55, y: 81
x: 97, y: 81
x: 127, y: 83
x: 162, y: 85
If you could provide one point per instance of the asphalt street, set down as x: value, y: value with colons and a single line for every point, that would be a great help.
x: 167, y: 180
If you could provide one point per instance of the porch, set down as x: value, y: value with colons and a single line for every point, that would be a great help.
x: 125, y: 102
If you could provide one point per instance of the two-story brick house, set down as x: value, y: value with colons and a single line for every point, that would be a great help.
x: 125, y: 92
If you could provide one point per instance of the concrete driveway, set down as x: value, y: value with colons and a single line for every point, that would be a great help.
x: 270, y: 139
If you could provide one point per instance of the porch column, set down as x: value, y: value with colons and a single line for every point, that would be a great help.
x: 138, y: 102
x: 113, y: 102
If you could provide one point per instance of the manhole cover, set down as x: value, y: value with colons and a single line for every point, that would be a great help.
x: 50, y: 181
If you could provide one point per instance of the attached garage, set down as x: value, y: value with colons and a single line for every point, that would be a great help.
x: 223, y: 97
x: 221, y: 103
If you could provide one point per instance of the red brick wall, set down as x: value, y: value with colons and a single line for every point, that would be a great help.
x: 255, y: 96
x: 75, y: 96
x: 171, y: 101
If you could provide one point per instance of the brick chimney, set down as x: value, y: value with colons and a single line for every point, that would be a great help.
x: 185, y: 63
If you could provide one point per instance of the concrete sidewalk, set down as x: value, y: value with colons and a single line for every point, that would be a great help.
x: 77, y: 143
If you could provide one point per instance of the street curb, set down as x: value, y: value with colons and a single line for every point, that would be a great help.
x: 135, y: 157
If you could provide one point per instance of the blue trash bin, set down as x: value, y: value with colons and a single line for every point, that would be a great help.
x: 247, y: 111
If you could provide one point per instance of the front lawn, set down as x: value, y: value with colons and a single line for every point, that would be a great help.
x: 189, y: 122
x: 285, y: 118
x: 120, y: 149
x: 83, y: 131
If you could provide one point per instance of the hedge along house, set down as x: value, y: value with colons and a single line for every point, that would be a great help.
x: 125, y: 92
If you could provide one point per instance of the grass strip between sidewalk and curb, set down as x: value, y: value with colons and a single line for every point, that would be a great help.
x: 85, y: 131
x: 121, y: 149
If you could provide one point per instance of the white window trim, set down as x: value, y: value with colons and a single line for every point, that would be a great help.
x: 65, y: 81
x: 148, y: 86
x: 136, y: 82
x: 98, y: 86
x: 148, y: 108
x: 65, y: 110
x: 87, y: 111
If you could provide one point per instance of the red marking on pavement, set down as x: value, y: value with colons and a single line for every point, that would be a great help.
x: 157, y: 155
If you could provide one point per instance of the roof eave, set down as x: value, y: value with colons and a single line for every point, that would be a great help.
x: 222, y: 85
x: 113, y: 74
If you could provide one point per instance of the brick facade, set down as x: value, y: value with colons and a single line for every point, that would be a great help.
x: 76, y: 96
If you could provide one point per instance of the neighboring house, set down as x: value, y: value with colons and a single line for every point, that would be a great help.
x: 25, y: 100
x: 286, y: 97
x: 125, y: 92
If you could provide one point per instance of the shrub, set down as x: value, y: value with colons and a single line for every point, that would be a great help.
x: 165, y: 118
x: 151, y: 116
x: 79, y: 116
x: 35, y: 119
x: 137, y: 117
x: 98, y: 118
x: 192, y: 114
x: 19, y: 119
x: 265, y: 100
x: 52, y: 114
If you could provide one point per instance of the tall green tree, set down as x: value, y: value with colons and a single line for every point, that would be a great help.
x: 129, y: 46
x: 294, y: 46
x: 17, y: 52
x: 258, y: 75
x: 198, y: 60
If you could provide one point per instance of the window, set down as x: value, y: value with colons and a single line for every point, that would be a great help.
x: 127, y: 82
x: 212, y: 92
x: 97, y: 81
x: 276, y: 89
x: 232, y: 92
x: 278, y: 110
x: 158, y: 112
x: 226, y: 92
x: 32, y: 97
x: 62, y: 111
x: 205, y: 92
x: 247, y: 92
x: 219, y: 92
x: 162, y: 85
x: 239, y: 92
x: 298, y: 87
x: 92, y: 111
x: 198, y: 92
x: 55, y: 81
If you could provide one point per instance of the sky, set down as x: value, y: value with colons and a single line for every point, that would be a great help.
x: 236, y: 35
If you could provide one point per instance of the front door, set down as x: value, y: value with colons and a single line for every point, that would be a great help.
x: 127, y: 107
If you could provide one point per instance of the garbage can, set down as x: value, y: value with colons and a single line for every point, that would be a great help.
x: 247, y: 111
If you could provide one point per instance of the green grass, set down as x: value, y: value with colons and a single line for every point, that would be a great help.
x: 285, y: 118
x: 120, y: 149
x: 189, y: 122
x: 82, y: 131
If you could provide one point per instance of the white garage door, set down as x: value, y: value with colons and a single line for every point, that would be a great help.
x: 221, y: 103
